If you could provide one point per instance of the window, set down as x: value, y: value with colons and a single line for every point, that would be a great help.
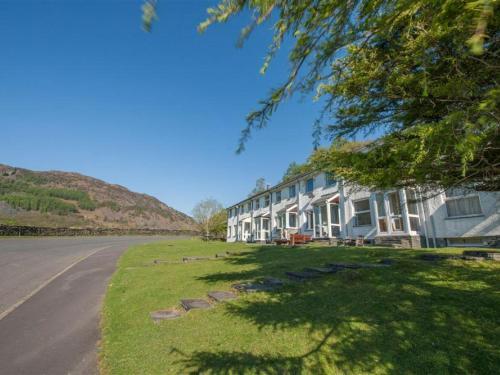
x: 382, y: 220
x: 234, y: 231
x: 395, y: 211
x: 281, y: 220
x: 362, y: 213
x: 278, y: 196
x: 411, y: 203
x: 460, y: 204
x: 334, y: 214
x: 330, y: 181
x: 241, y: 210
x: 230, y: 233
x: 292, y: 220
x: 257, y: 203
x: 309, y: 185
x: 291, y: 191
x: 248, y: 207
x: 309, y: 220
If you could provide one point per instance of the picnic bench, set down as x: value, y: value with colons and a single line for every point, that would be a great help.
x: 299, y: 239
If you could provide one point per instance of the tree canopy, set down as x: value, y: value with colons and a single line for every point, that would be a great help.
x: 422, y: 76
x: 207, y: 214
x: 260, y: 186
x: 294, y: 170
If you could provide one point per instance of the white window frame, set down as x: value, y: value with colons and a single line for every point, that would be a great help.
x: 309, y: 220
x: 294, y: 191
x: 463, y: 196
x: 361, y: 212
x: 296, y: 219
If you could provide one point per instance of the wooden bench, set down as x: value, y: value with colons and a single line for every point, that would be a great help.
x: 299, y: 239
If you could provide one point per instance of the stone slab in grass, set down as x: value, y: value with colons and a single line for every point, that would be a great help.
x: 387, y: 261
x: 238, y: 253
x: 159, y: 261
x: 488, y: 254
x: 373, y: 265
x: 344, y: 265
x: 221, y: 296
x: 302, y: 276
x: 160, y: 315
x: 253, y: 287
x: 191, y: 304
x: 194, y: 259
x: 469, y: 257
x: 321, y: 269
x: 220, y: 255
x: 273, y: 281
x: 433, y: 257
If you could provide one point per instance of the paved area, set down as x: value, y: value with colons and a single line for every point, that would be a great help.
x: 51, y: 292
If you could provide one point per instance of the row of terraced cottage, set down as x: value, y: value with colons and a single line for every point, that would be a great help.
x: 323, y: 207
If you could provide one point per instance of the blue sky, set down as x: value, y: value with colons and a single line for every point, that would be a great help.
x: 84, y: 89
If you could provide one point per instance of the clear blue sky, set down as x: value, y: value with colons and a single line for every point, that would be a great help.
x: 84, y: 89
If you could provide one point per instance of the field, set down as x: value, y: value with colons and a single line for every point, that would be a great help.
x: 414, y: 317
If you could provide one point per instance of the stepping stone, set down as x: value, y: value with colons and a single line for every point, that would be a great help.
x: 302, y: 276
x: 321, y: 269
x: 387, y: 261
x: 191, y: 259
x: 220, y: 255
x: 493, y: 255
x: 253, y: 287
x: 238, y: 253
x: 468, y: 257
x: 272, y: 281
x: 432, y: 257
x: 158, y: 261
x: 221, y: 296
x: 164, y: 315
x: 191, y: 304
x: 344, y: 265
x: 373, y: 265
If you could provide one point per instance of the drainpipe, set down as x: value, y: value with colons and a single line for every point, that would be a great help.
x: 237, y: 223
x: 251, y: 221
x: 299, y: 211
x: 342, y: 207
x: 271, y: 218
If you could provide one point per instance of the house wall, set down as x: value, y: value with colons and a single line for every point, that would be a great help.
x: 432, y: 214
x: 487, y: 224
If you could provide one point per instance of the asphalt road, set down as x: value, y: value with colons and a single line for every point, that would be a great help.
x: 51, y: 292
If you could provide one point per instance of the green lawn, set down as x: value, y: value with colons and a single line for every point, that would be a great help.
x: 414, y: 317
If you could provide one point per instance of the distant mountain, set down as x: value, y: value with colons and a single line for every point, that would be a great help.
x: 65, y: 199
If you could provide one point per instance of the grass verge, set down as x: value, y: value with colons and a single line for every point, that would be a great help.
x: 413, y: 317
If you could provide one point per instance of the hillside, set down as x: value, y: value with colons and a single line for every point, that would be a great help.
x: 65, y: 199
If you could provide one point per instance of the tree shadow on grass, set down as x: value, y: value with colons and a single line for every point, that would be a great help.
x: 413, y: 317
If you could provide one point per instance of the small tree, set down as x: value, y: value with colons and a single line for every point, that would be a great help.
x: 204, y: 212
x: 218, y: 224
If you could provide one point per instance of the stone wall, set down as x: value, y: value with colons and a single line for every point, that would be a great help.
x: 18, y: 230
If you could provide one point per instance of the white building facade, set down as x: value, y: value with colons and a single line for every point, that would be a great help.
x: 318, y: 205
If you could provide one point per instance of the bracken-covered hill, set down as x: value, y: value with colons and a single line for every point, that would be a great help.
x: 65, y: 199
